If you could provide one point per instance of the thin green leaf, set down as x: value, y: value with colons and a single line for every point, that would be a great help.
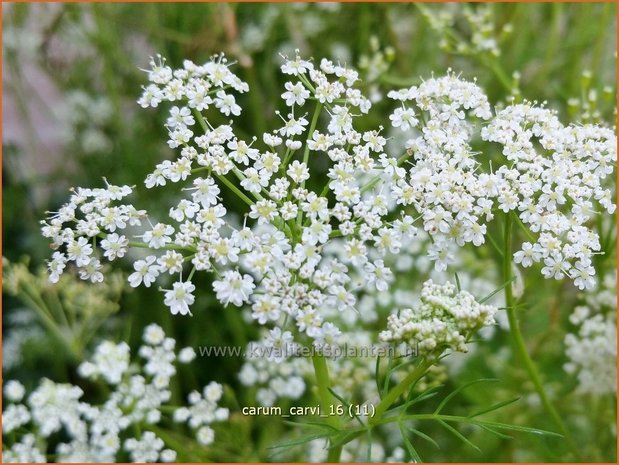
x: 390, y: 369
x: 344, y: 438
x: 368, y: 457
x: 338, y: 397
x: 523, y: 227
x: 299, y: 441
x: 494, y: 407
x: 409, y: 445
x: 458, y: 283
x: 376, y: 376
x: 427, y: 394
x: 341, y: 399
x: 472, y: 421
x: 459, y: 435
x: 425, y: 436
x: 311, y: 424
x: 497, y: 248
x: 496, y: 433
x: 387, y: 376
x: 496, y: 291
x: 451, y: 395
x: 523, y: 429
x: 401, y: 409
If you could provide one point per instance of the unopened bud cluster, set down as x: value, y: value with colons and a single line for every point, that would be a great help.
x: 444, y: 319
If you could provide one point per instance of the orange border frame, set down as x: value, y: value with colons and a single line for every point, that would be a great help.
x: 290, y: 1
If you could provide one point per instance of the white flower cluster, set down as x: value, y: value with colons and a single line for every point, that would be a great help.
x: 203, y: 411
x: 24, y: 451
x: 481, y: 35
x: 355, y: 451
x: 98, y: 433
x: 85, y: 118
x: 298, y: 250
x: 554, y: 180
x: 593, y: 349
x: 445, y: 185
x: 303, y: 258
x: 593, y: 354
x: 552, y: 176
x: 284, y: 378
x: 90, y: 214
x: 444, y: 319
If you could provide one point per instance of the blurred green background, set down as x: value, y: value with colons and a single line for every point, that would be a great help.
x: 72, y: 74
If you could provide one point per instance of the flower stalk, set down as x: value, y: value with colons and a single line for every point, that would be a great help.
x: 322, y: 377
x: 399, y: 389
x: 518, y: 339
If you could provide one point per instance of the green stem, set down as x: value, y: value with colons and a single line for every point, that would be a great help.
x: 234, y: 189
x: 310, y: 132
x: 518, y: 339
x: 375, y: 180
x: 322, y: 377
x: 32, y: 298
x: 398, y: 390
x: 240, y: 176
x: 144, y: 245
x: 307, y: 150
x: 222, y: 178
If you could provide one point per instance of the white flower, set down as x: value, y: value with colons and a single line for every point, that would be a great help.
x: 53, y: 406
x: 56, y: 266
x: 234, y: 288
x: 241, y: 152
x: 316, y: 232
x: 14, y: 416
x: 316, y: 249
x: 171, y: 261
x: 92, y: 432
x: 293, y: 126
x: 159, y: 236
x: 592, y: 353
x: 185, y: 209
x: 379, y: 275
x: 110, y: 361
x: 527, y: 255
x: 205, y: 436
x: 327, y: 337
x: 186, y: 355
x: 145, y: 272
x: 115, y: 246
x: 404, y: 119
x: 14, y: 391
x: 227, y: 104
x: 255, y: 180
x: 180, y: 116
x: 153, y: 334
x: 80, y: 251
x: 205, y: 192
x: 90, y: 271
x: 168, y: 455
x: 24, y: 451
x: 264, y: 211
x: 180, y: 297
x: 298, y: 172
x: 179, y: 136
x: 296, y: 67
x: 146, y: 449
x: 295, y: 94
